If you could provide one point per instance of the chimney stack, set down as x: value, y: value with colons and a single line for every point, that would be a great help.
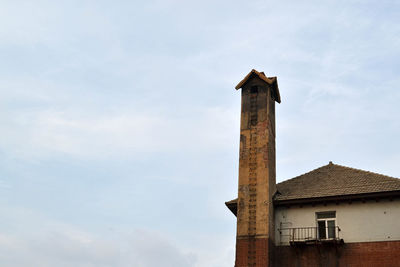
x: 257, y: 177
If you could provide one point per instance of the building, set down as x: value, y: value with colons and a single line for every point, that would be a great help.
x: 331, y: 216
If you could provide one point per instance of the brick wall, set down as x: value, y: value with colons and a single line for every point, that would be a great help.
x: 366, y: 254
x: 262, y: 250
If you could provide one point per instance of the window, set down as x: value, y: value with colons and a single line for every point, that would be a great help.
x: 254, y: 90
x: 326, y: 224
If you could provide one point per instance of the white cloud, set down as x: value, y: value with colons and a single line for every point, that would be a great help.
x: 43, y: 242
x: 45, y: 133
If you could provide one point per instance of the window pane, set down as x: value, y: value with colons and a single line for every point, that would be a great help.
x: 326, y: 214
x: 321, y: 230
x: 331, y: 229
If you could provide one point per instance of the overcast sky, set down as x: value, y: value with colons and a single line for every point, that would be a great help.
x: 119, y: 121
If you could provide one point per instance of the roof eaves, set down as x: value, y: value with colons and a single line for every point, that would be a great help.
x: 232, y: 206
x: 324, y: 199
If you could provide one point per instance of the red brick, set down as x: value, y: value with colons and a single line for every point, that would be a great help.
x: 366, y: 254
x: 263, y: 249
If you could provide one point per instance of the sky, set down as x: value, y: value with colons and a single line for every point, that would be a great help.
x: 119, y: 120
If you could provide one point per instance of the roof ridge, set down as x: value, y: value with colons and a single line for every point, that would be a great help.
x: 338, y: 165
x: 298, y: 176
x: 387, y: 176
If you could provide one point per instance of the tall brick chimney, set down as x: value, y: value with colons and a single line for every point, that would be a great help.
x: 257, y: 178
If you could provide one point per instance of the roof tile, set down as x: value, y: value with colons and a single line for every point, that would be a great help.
x: 335, y: 180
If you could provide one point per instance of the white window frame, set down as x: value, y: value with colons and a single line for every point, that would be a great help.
x: 325, y: 220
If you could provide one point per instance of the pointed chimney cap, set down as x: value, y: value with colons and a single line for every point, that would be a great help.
x: 269, y: 80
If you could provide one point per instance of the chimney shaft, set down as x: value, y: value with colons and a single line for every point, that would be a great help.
x: 257, y: 181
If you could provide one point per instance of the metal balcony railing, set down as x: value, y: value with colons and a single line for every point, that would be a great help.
x: 305, y: 234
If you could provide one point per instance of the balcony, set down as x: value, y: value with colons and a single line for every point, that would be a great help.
x: 312, y: 235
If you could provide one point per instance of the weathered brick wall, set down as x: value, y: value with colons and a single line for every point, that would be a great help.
x: 261, y: 252
x: 366, y: 254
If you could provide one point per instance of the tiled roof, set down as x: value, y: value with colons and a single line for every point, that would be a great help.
x: 331, y: 180
x: 335, y: 180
